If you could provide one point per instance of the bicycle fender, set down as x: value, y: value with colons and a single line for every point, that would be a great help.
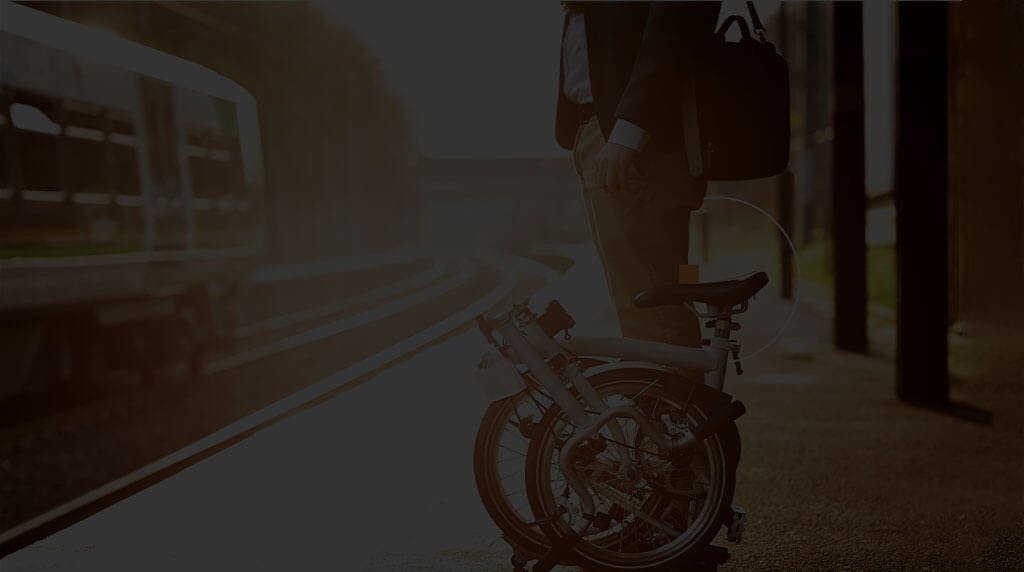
x: 706, y: 395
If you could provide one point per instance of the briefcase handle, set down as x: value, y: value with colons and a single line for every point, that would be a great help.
x: 742, y: 23
x: 739, y: 21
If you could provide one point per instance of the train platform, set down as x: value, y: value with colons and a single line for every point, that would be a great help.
x: 836, y: 472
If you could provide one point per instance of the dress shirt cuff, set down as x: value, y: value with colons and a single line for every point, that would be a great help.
x: 628, y: 135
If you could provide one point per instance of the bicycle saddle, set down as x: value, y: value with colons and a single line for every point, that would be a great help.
x: 724, y: 293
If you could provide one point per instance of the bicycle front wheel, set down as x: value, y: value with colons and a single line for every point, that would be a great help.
x: 499, y: 465
x: 499, y: 461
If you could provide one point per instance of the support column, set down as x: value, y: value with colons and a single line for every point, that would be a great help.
x: 849, y: 202
x: 922, y: 186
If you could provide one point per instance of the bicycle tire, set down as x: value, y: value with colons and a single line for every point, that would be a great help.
x: 594, y: 556
x: 519, y: 533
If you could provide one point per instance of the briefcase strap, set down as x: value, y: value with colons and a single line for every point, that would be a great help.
x: 755, y: 20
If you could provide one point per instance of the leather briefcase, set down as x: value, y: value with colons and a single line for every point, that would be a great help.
x: 740, y: 96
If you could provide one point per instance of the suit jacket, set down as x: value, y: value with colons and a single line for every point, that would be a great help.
x: 640, y: 55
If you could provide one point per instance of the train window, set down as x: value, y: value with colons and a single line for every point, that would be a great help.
x: 215, y: 165
x: 37, y: 143
x: 124, y: 160
x: 160, y: 132
x: 213, y: 152
x: 125, y: 170
x: 121, y: 123
x: 86, y: 159
x: 39, y: 164
x: 84, y: 117
x: 86, y: 148
x: 31, y: 118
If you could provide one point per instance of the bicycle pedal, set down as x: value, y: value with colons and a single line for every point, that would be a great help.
x: 737, y: 524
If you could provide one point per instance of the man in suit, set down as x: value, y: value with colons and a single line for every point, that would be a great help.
x: 624, y: 71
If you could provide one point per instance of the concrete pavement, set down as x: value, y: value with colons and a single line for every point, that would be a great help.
x: 836, y: 473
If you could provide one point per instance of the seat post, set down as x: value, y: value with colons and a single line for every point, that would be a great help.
x: 723, y: 323
x: 720, y: 344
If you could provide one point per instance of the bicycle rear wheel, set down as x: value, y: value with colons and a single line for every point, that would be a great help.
x: 661, y: 514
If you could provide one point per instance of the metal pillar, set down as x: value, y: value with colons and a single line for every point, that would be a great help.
x: 849, y: 201
x: 817, y: 144
x: 785, y: 182
x: 922, y: 186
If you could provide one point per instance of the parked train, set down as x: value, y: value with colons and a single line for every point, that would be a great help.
x: 130, y: 202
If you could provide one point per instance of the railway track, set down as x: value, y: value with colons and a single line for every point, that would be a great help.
x: 62, y: 468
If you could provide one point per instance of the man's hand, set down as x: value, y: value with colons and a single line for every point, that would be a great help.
x: 613, y: 164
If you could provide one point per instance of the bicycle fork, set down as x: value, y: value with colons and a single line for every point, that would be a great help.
x: 531, y: 346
